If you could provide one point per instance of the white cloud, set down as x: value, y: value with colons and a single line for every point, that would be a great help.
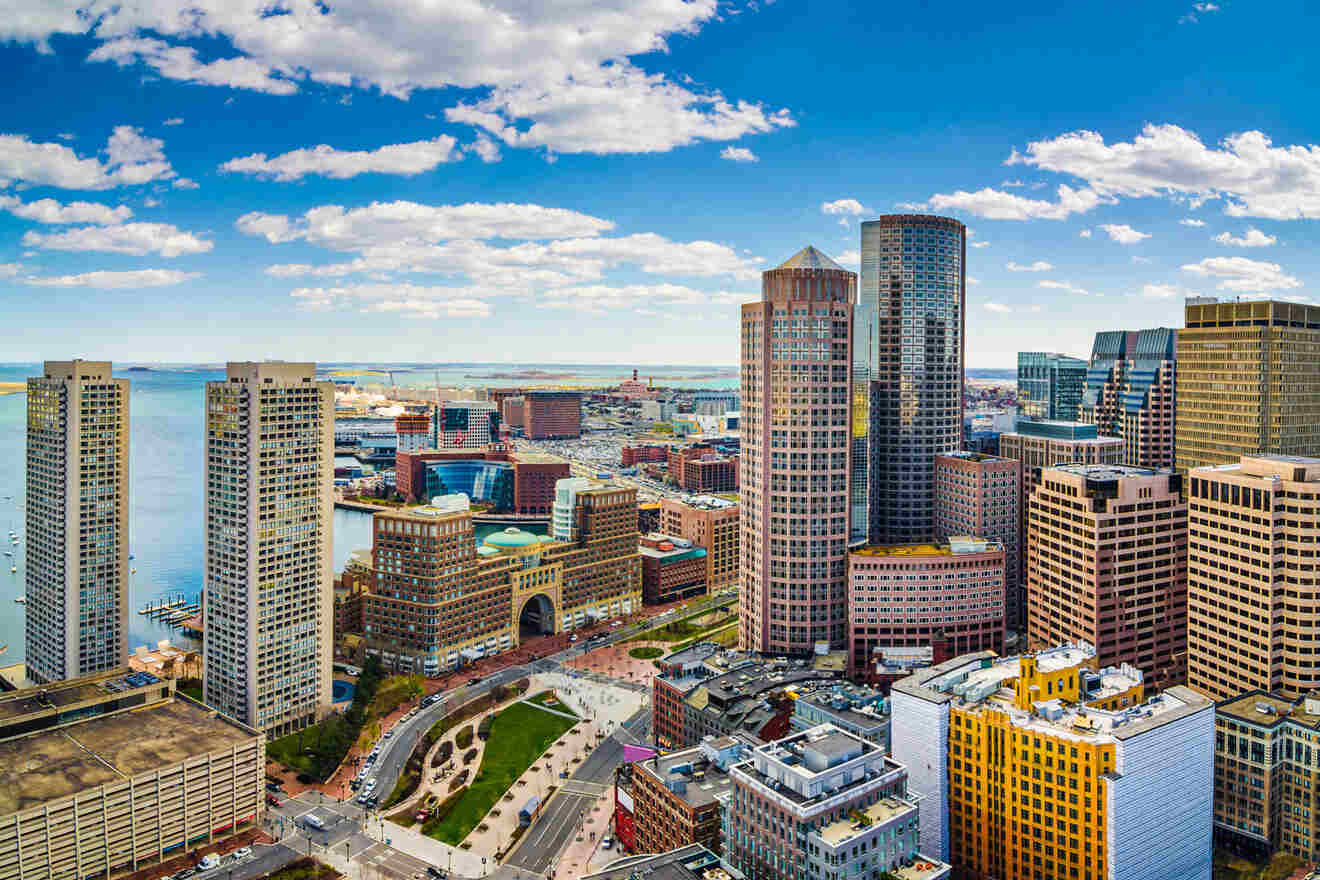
x: 404, y: 159
x: 181, y: 63
x: 9, y: 270
x: 996, y: 205
x: 117, y: 280
x: 600, y: 298
x: 980, y: 244
x: 1256, y: 178
x: 410, y: 299
x: 1242, y: 274
x: 972, y: 279
x: 1012, y: 184
x: 1163, y: 291
x: 1085, y: 233
x: 176, y: 120
x: 184, y: 183
x: 52, y: 212
x: 1253, y: 238
x: 1124, y: 234
x: 131, y: 159
x: 486, y: 149
x: 130, y: 238
x: 149, y: 202
x: 1141, y: 260
x: 1067, y: 286
x: 1202, y: 8
x: 1191, y: 221
x: 997, y: 307
x: 849, y: 258
x: 843, y: 206
x: 401, y: 223
x: 658, y: 255
x: 1038, y: 266
x: 739, y: 154
x: 558, y: 77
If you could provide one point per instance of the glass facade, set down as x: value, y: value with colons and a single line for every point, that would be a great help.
x: 1049, y: 385
x: 908, y: 340
x: 485, y: 481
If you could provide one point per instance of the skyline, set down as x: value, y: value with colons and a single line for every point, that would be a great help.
x: 198, y: 189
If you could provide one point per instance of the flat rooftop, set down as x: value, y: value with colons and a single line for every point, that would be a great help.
x: 1266, y: 710
x: 53, y: 764
x: 956, y: 545
x: 1104, y: 471
x: 57, y: 695
x: 702, y: 789
x: 881, y: 812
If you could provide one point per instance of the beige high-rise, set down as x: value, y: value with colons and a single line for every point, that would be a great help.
x: 1107, y: 565
x: 268, y: 600
x: 1252, y: 606
x: 1248, y: 381
x: 77, y: 521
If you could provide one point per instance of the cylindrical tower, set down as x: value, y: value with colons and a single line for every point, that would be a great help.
x: 796, y: 375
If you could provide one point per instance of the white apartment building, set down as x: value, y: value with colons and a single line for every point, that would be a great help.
x: 465, y: 424
x: 268, y: 600
x: 77, y: 521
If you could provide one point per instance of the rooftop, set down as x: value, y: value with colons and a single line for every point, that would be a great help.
x: 688, y: 774
x: 52, y: 764
x: 1107, y: 471
x: 810, y: 258
x: 1268, y: 710
x: 691, y: 862
x: 956, y: 545
x: 881, y: 812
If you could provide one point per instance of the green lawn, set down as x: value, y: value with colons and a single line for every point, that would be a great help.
x: 647, y: 653
x: 683, y: 630
x: 551, y: 700
x: 518, y: 736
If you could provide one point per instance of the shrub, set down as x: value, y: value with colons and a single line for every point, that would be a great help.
x: 483, y: 729
x: 440, y: 813
x: 469, y: 755
x: 306, y: 778
x: 464, y: 737
x: 443, y: 754
x: 647, y: 653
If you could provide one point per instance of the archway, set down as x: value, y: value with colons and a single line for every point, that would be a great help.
x: 537, y: 617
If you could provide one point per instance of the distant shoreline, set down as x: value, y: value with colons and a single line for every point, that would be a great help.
x: 13, y: 387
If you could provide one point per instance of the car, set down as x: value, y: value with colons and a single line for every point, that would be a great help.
x: 209, y: 862
x: 272, y: 800
x: 373, y: 800
x: 389, y: 733
x: 474, y: 681
x: 573, y: 638
x: 435, y: 872
x: 607, y: 843
x: 273, y: 786
x: 312, y: 822
x: 371, y: 783
x: 242, y: 852
x: 185, y: 873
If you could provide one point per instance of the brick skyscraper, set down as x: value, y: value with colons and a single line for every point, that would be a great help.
x: 796, y: 365
x: 908, y: 348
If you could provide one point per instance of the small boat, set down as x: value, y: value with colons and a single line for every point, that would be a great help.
x: 21, y: 600
x: 13, y: 568
x: 130, y: 556
x: 132, y: 571
x: 9, y: 552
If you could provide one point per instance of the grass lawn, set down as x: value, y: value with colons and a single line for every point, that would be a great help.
x: 726, y: 634
x: 551, y: 700
x: 648, y: 653
x: 518, y: 736
x: 683, y: 630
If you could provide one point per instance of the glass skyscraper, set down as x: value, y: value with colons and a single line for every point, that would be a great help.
x: 907, y: 397
x: 1050, y: 385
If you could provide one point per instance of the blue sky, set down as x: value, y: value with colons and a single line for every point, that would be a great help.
x: 603, y: 181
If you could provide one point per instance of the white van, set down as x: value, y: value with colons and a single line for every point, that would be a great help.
x: 314, y: 823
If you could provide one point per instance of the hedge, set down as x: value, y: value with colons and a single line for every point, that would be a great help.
x: 464, y: 737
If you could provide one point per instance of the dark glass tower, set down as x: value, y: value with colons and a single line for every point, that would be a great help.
x: 908, y: 344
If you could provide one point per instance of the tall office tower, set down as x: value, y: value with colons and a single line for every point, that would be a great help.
x: 1248, y: 381
x: 979, y: 495
x: 1252, y: 612
x: 1049, y: 385
x: 465, y: 424
x: 268, y: 600
x: 1129, y: 783
x: 77, y: 521
x: 794, y: 461
x: 908, y: 344
x: 1112, y: 571
x: 1129, y: 393
x: 1035, y: 445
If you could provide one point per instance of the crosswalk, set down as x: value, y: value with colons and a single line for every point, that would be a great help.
x: 581, y: 786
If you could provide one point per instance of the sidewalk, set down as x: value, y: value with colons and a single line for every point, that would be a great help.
x: 584, y: 854
x: 433, y: 852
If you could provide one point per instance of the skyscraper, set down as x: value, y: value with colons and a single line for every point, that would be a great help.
x: 1089, y: 581
x: 1248, y: 381
x: 77, y: 521
x: 796, y: 361
x: 1251, y: 609
x: 268, y: 600
x: 1049, y: 385
x: 1129, y: 393
x: 907, y: 372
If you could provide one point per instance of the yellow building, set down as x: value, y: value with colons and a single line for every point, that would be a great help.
x: 1042, y: 766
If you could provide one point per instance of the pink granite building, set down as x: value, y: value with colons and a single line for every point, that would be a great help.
x: 978, y: 494
x: 796, y: 373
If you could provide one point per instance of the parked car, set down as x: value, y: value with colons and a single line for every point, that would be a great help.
x: 607, y: 843
x: 273, y: 786
x: 209, y: 862
x: 272, y: 800
x: 437, y: 873
x: 185, y: 873
x: 389, y: 733
x: 474, y: 681
x: 242, y: 852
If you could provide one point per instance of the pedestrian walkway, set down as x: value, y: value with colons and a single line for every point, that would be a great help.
x: 584, y: 854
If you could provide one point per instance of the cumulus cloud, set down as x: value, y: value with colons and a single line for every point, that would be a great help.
x: 1256, y: 178
x: 1066, y: 286
x: 411, y: 299
x: 553, y: 79
x: 1038, y: 266
x: 739, y: 154
x: 1191, y: 221
x: 1085, y: 233
x: 1163, y: 291
x: 1124, y: 234
x: 52, y: 212
x: 10, y: 270
x: 842, y: 206
x: 1253, y: 238
x: 997, y: 205
x: 997, y: 307
x: 485, y: 149
x: 980, y: 244
x: 105, y: 280
x: 1002, y: 309
x: 403, y: 159
x: 176, y: 120
x: 1198, y: 9
x: 1242, y: 274
x: 131, y: 159
x: 138, y: 239
x: 849, y: 258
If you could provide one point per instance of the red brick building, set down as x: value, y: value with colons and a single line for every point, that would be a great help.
x: 703, y: 469
x: 711, y: 523
x: 676, y: 796
x: 546, y: 415
x: 672, y: 569
x: 680, y: 672
x: 631, y: 455
x: 961, y: 596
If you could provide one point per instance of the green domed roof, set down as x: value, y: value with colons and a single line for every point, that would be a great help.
x: 511, y: 537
